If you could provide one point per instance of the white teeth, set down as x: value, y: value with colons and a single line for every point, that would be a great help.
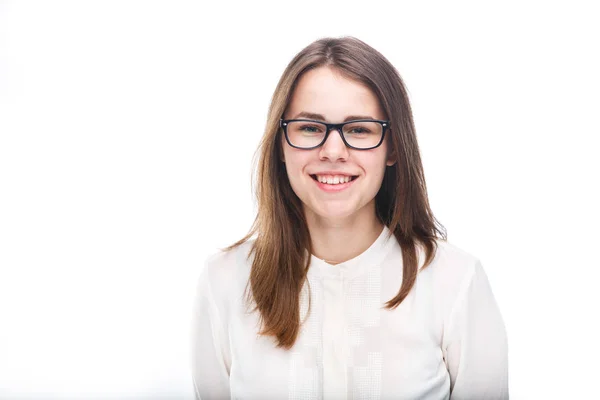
x: 333, y: 179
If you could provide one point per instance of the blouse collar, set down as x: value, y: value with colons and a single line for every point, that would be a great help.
x: 373, y: 256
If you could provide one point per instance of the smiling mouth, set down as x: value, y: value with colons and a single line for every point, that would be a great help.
x: 334, y: 181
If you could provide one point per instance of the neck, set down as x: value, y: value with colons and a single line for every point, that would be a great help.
x: 339, y: 240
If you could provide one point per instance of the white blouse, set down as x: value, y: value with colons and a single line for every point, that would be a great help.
x: 446, y: 340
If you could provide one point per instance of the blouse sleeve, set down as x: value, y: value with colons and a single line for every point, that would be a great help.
x: 210, y: 369
x: 475, y: 343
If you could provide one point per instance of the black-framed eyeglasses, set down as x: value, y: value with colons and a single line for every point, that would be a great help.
x: 360, y: 134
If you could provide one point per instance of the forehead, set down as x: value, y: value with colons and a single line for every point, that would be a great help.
x: 327, y: 92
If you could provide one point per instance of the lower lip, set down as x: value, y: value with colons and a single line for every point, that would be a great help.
x: 334, y: 188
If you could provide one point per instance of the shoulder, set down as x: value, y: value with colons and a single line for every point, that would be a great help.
x: 225, y: 270
x: 450, y: 258
x: 451, y: 270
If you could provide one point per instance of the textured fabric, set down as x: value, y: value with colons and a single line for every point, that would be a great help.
x: 446, y: 340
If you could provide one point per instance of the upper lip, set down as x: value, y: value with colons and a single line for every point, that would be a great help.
x: 339, y: 173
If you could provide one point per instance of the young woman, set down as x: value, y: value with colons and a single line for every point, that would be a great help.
x: 345, y: 287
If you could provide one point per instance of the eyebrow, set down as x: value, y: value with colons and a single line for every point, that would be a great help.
x: 320, y: 117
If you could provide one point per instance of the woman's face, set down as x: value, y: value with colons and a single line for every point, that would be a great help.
x: 323, y: 94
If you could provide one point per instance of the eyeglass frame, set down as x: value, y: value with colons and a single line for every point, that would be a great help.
x: 283, y: 123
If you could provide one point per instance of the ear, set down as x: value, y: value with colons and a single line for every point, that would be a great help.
x: 281, y: 153
x: 391, y: 158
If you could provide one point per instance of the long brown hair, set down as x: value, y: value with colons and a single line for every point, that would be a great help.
x: 283, y: 245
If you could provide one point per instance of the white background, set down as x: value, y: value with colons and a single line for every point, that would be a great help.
x: 127, y: 130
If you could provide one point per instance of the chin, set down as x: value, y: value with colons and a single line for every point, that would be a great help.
x: 334, y: 211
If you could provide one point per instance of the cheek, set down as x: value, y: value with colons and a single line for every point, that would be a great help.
x: 377, y: 163
x: 294, y: 162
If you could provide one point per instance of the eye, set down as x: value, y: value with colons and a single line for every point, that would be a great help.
x: 357, y: 130
x: 306, y: 128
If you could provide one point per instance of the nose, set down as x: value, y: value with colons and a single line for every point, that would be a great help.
x: 334, y: 148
